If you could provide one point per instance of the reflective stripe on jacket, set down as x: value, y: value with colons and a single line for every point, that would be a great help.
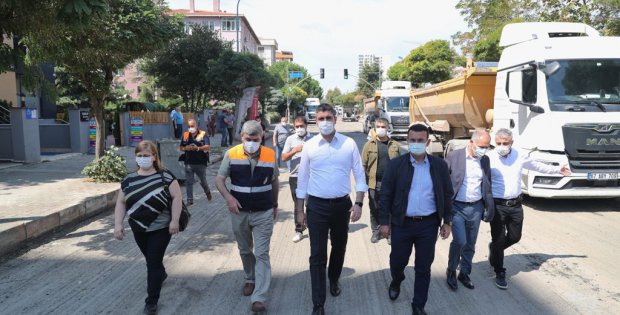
x: 252, y: 188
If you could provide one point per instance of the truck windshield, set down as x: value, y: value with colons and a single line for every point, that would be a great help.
x: 311, y: 108
x: 397, y: 104
x: 584, y: 85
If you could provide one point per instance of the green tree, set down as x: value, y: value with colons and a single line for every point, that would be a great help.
x: 125, y: 31
x: 184, y: 67
x: 232, y: 72
x: 370, y: 74
x: 310, y: 85
x: 430, y: 63
x: 397, y: 72
x: 332, y: 94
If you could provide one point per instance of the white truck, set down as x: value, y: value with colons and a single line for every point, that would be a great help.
x: 310, y: 106
x: 557, y: 87
x: 391, y: 103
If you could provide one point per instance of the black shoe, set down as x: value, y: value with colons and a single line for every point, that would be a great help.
x: 318, y: 310
x: 418, y: 311
x: 451, y: 279
x: 465, y: 280
x: 394, y: 291
x: 500, y: 280
x: 150, y: 309
x: 490, y: 256
x: 334, y: 288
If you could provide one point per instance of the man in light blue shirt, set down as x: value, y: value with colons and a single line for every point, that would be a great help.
x: 421, y: 195
x: 177, y: 122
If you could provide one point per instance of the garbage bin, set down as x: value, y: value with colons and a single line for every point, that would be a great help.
x: 169, y: 154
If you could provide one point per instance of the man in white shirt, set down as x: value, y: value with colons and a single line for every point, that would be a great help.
x: 470, y: 173
x: 506, y: 167
x: 325, y: 180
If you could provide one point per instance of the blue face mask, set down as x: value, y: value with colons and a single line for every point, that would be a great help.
x: 417, y: 148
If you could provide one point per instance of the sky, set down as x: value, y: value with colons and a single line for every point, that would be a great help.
x: 331, y: 34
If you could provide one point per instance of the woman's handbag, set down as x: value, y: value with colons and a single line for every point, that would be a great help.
x: 185, y: 215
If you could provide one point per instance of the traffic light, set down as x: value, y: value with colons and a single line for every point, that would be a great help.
x: 322, y: 73
x: 346, y: 73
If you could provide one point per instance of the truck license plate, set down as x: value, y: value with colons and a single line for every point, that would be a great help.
x: 602, y: 176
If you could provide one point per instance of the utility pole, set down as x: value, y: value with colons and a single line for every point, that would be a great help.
x: 238, y: 26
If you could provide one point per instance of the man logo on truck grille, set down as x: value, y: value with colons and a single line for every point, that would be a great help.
x: 602, y: 141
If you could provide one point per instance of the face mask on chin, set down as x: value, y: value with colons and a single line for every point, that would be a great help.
x: 326, y: 127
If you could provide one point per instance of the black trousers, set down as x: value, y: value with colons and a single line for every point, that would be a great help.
x: 373, y: 203
x: 422, y: 235
x: 506, y: 229
x: 153, y: 246
x: 325, y: 217
x: 292, y: 182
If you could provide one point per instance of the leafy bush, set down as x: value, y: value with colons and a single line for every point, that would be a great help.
x: 273, y: 117
x: 107, y: 169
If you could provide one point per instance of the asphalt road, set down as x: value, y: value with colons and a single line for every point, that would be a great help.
x: 565, y: 264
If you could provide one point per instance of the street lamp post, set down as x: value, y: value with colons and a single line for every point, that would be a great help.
x: 238, y: 24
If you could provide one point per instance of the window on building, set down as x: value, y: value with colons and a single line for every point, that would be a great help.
x: 210, y: 25
x: 229, y: 24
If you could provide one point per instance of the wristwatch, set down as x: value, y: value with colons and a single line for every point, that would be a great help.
x: 359, y: 203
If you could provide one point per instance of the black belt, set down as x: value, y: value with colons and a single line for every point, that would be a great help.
x: 468, y: 203
x: 422, y: 218
x: 337, y: 199
x: 508, y: 202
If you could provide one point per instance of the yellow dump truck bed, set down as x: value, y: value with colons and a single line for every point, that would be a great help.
x: 463, y: 101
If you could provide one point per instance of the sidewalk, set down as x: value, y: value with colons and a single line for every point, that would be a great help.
x: 39, y: 198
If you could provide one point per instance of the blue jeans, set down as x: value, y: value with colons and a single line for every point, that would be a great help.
x: 465, y: 223
x: 224, y: 132
x: 279, y: 149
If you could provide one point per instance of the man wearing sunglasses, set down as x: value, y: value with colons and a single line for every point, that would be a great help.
x: 470, y: 172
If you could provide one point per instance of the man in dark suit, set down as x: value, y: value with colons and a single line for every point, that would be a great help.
x: 416, y: 193
x: 470, y: 171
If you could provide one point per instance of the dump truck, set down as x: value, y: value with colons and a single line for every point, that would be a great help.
x: 392, y: 103
x: 557, y: 88
x: 310, y: 106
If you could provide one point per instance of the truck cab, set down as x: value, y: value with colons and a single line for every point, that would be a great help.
x: 393, y: 105
x: 558, y: 90
x: 310, y: 106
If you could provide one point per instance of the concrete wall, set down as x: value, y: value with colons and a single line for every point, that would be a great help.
x: 6, y: 142
x: 55, y: 137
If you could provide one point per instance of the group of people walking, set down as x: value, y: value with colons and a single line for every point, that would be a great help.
x: 413, y: 198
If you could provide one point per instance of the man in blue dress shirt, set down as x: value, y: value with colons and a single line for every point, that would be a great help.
x: 416, y: 196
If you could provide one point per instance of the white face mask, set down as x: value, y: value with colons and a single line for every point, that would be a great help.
x: 502, y: 150
x: 326, y: 127
x: 283, y: 123
x: 144, y: 162
x: 381, y: 132
x: 251, y: 146
x: 300, y: 132
x: 191, y: 130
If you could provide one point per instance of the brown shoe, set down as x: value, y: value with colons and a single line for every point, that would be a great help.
x: 258, y: 307
x: 248, y: 289
x: 209, y: 197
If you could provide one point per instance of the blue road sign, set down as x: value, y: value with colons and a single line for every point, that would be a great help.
x: 295, y: 75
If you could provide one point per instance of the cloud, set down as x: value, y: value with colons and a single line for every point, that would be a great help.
x: 331, y: 34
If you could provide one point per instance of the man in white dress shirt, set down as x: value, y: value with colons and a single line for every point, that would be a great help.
x: 324, y: 178
x: 506, y: 167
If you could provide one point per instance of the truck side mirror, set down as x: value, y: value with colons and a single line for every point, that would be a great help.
x: 515, y: 91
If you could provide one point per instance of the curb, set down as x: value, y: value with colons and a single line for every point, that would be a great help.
x: 13, y: 238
